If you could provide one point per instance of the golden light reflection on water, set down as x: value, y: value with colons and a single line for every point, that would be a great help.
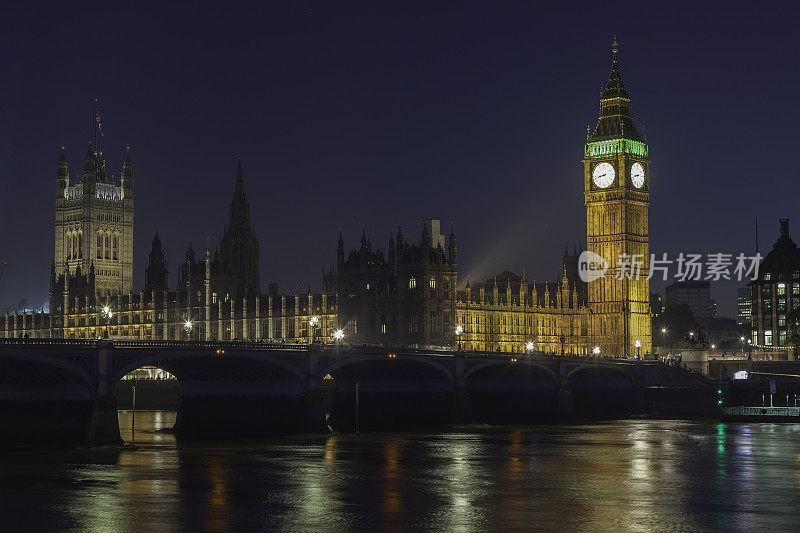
x: 392, y: 479
x: 621, y: 476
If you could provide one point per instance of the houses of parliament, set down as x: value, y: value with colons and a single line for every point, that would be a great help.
x: 407, y: 294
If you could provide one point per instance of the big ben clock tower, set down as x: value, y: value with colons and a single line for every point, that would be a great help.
x: 616, y: 189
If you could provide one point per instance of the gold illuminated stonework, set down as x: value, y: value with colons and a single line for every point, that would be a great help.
x: 617, y: 225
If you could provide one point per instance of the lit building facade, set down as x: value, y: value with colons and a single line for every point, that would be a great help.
x: 408, y: 294
x: 616, y: 189
x: 743, y: 307
x: 776, y: 292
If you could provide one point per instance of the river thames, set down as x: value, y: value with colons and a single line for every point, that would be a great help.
x: 637, y: 475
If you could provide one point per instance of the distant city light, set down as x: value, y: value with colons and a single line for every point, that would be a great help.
x: 338, y: 334
x: 596, y: 350
x: 529, y: 346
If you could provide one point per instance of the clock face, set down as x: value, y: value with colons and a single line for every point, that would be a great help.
x: 603, y: 175
x: 637, y: 175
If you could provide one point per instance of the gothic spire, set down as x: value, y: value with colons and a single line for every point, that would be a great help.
x: 240, y: 210
x: 616, y: 120
x: 238, y: 194
x: 90, y: 165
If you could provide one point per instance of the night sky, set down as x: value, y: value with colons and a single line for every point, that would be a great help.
x: 379, y: 115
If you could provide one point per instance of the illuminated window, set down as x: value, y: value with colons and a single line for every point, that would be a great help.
x: 781, y: 289
x: 383, y: 328
x: 781, y: 320
x: 782, y: 338
x: 795, y: 288
x: 213, y: 297
x: 767, y: 276
x: 433, y: 283
x: 367, y: 286
x: 768, y: 337
x: 412, y: 283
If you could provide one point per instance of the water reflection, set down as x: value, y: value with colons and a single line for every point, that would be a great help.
x: 622, y: 476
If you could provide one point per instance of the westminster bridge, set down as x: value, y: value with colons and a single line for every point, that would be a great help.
x: 62, y: 390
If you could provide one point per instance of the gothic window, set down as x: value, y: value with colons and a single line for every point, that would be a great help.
x: 432, y: 283
x: 106, y: 247
x: 412, y: 283
x: 80, y: 245
x: 115, y: 247
x: 99, y: 245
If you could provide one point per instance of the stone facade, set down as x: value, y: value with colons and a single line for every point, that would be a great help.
x: 94, y: 225
x: 408, y: 294
x: 616, y: 191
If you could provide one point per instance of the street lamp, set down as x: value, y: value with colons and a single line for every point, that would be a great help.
x: 312, y: 323
x: 638, y: 345
x: 459, y: 331
x: 338, y: 335
x: 596, y: 351
x: 187, y: 327
x: 529, y: 347
x: 741, y: 339
x: 562, y: 345
x: 664, y: 337
x: 107, y: 314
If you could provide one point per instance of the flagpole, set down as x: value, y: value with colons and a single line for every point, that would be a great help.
x: 96, y: 112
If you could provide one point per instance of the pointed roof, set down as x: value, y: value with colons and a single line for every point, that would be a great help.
x: 616, y: 120
x: 238, y: 193
x: 614, y: 88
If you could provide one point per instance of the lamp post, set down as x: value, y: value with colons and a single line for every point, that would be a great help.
x: 638, y: 345
x: 459, y: 332
x: 529, y: 347
x: 187, y: 327
x: 312, y: 323
x: 596, y: 351
x: 107, y: 314
x: 338, y: 335
x: 664, y: 337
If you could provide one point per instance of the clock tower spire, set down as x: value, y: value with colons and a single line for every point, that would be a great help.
x: 617, y: 197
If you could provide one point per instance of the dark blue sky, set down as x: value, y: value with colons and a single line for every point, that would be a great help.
x: 380, y: 115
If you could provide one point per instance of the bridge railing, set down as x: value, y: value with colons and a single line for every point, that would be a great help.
x: 342, y: 348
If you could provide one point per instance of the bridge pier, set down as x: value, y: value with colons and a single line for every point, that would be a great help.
x: 313, y: 400
x: 565, y: 401
x: 104, y: 421
x: 462, y: 406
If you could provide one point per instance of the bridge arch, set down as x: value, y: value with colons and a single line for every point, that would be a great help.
x: 602, y: 373
x: 437, y: 370
x: 188, y: 366
x: 521, y: 363
x: 26, y: 368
